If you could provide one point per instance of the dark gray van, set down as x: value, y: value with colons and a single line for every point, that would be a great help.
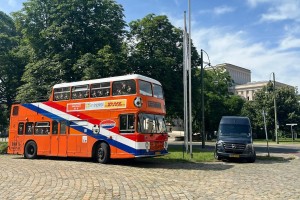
x: 234, y: 139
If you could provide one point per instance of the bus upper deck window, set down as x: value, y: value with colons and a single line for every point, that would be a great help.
x: 15, y: 110
x: 61, y: 93
x: 145, y: 88
x: 158, y: 91
x: 80, y: 92
x: 124, y: 87
x: 100, y: 89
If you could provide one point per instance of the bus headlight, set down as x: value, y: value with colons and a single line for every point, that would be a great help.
x: 147, y: 145
x: 166, y: 145
x: 138, y: 102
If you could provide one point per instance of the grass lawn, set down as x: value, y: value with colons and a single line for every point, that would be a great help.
x: 203, y: 155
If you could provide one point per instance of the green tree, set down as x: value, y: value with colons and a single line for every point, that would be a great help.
x: 60, y: 33
x: 11, y: 65
x: 288, y: 110
x: 218, y: 101
x: 155, y: 50
x: 105, y: 63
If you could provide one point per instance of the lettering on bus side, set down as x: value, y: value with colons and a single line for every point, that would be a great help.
x: 15, y: 146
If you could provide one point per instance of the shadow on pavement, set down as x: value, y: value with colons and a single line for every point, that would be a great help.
x: 156, y: 163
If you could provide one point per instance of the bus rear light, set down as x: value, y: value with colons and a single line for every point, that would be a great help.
x: 138, y: 102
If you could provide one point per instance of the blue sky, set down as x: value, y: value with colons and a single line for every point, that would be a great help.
x: 260, y: 35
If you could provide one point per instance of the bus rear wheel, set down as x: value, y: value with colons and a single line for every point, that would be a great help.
x: 102, y: 153
x: 30, y: 150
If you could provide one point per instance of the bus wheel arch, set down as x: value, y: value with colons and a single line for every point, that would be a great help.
x: 30, y: 149
x: 101, y: 152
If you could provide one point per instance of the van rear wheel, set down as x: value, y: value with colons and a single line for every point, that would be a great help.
x: 30, y: 151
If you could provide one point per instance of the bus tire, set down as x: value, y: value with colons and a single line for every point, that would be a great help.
x: 102, y: 153
x: 30, y: 151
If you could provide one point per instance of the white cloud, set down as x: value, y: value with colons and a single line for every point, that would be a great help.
x: 283, y: 10
x: 224, y: 46
x: 289, y: 43
x: 222, y: 10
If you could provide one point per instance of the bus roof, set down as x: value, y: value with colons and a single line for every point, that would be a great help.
x: 115, y: 78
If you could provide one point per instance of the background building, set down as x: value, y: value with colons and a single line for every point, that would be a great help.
x: 242, y: 84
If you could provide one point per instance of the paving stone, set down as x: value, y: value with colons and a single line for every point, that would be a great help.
x: 47, y: 178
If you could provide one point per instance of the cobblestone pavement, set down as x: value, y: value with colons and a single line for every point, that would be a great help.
x: 47, y: 178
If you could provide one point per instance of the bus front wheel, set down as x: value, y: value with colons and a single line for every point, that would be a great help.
x: 102, y: 153
x: 30, y: 150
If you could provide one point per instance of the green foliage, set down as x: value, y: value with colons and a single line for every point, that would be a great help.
x: 3, y: 147
x: 154, y: 51
x: 52, y: 41
x: 218, y: 101
x: 62, y: 35
x: 288, y: 110
x: 11, y: 66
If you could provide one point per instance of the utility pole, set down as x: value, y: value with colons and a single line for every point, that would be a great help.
x: 275, y: 109
x: 202, y: 101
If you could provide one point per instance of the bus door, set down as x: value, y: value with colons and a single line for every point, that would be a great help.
x: 78, y: 139
x: 59, y: 138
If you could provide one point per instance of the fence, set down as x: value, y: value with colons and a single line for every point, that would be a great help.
x: 5, y: 139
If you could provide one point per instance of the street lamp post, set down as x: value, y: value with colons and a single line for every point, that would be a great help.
x: 202, y: 101
x: 202, y: 96
x: 275, y: 109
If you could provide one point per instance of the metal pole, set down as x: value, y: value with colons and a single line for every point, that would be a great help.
x: 190, y: 84
x: 202, y: 102
x: 185, y: 121
x: 275, y: 109
x: 266, y: 132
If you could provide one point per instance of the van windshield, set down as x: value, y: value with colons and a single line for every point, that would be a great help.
x: 234, y: 130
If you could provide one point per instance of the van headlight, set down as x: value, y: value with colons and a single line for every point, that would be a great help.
x: 249, y: 147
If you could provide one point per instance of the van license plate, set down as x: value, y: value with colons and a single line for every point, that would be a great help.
x: 234, y: 155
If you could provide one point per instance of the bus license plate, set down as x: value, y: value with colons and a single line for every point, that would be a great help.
x: 234, y: 155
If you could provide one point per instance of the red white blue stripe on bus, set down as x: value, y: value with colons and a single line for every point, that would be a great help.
x: 57, y: 112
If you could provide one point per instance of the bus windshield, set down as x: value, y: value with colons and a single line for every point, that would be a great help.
x: 150, y: 123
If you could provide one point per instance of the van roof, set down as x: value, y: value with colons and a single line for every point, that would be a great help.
x: 235, y: 120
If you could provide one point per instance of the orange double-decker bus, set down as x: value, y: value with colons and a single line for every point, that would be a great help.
x: 109, y: 118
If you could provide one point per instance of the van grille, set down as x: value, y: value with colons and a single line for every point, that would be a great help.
x: 234, y: 147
